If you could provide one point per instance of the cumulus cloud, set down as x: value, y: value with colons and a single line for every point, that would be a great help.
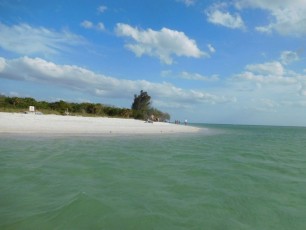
x: 198, y: 77
x: 189, y: 76
x: 100, y: 26
x: 187, y: 2
x: 270, y: 87
x: 288, y: 57
x: 268, y: 68
x: 211, y: 48
x: 162, y: 44
x: 102, y: 9
x: 275, y: 72
x: 269, y: 73
x: 288, y: 17
x: 84, y: 80
x: 225, y: 19
x: 2, y: 64
x: 87, y: 24
x: 90, y: 25
x: 27, y: 40
x: 218, y: 14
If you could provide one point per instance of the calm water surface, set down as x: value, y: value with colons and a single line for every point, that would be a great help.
x: 229, y: 177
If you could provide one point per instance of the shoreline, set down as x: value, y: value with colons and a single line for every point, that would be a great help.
x: 31, y: 124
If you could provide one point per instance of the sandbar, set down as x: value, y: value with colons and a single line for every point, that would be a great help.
x: 20, y: 123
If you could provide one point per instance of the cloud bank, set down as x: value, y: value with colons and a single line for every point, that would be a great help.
x: 84, y: 80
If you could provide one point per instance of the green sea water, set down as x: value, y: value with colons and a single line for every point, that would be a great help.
x: 227, y: 177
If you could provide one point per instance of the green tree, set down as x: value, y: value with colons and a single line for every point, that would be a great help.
x: 141, y: 101
x: 60, y: 106
x: 43, y: 105
x: 91, y: 108
x: 141, y: 105
x: 13, y: 101
x: 28, y: 101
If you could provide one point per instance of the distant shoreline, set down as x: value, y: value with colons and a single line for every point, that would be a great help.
x: 19, y: 123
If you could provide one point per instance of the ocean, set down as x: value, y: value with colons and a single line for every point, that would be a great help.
x: 226, y: 177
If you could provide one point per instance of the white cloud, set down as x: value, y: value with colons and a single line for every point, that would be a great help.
x: 198, y: 77
x: 217, y: 14
x: 189, y: 76
x: 187, y: 2
x: 263, y: 29
x: 264, y: 3
x: 83, y: 80
x: 226, y: 19
x: 2, y: 64
x: 162, y: 44
x: 268, y: 68
x: 271, y: 86
x: 102, y: 9
x: 267, y: 79
x: 288, y: 17
x: 269, y: 73
x: 211, y: 48
x: 288, y: 57
x: 27, y: 40
x: 87, y: 24
x: 100, y: 26
x: 90, y: 25
x: 275, y: 71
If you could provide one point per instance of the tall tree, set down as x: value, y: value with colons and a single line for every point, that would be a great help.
x: 141, y: 105
x: 142, y: 101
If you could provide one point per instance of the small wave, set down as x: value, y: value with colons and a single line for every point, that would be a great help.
x: 79, y: 210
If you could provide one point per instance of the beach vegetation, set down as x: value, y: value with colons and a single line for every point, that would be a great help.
x: 19, y: 104
x: 141, y: 108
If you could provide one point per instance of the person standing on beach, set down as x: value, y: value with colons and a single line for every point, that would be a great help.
x: 185, y: 122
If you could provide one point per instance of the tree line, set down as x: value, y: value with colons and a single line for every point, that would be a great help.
x: 141, y: 107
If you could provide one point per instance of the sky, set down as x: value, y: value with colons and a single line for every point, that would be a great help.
x: 222, y: 62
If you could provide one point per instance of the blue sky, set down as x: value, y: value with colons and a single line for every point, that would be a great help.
x: 237, y: 62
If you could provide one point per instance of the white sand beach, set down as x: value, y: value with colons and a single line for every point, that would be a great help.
x: 19, y: 123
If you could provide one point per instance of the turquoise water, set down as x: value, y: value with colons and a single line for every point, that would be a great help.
x: 229, y: 177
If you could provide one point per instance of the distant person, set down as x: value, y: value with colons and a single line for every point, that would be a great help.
x: 185, y: 122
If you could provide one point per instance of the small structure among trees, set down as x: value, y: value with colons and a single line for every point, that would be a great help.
x: 142, y: 109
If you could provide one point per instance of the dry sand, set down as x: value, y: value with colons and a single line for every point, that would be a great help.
x: 18, y: 123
